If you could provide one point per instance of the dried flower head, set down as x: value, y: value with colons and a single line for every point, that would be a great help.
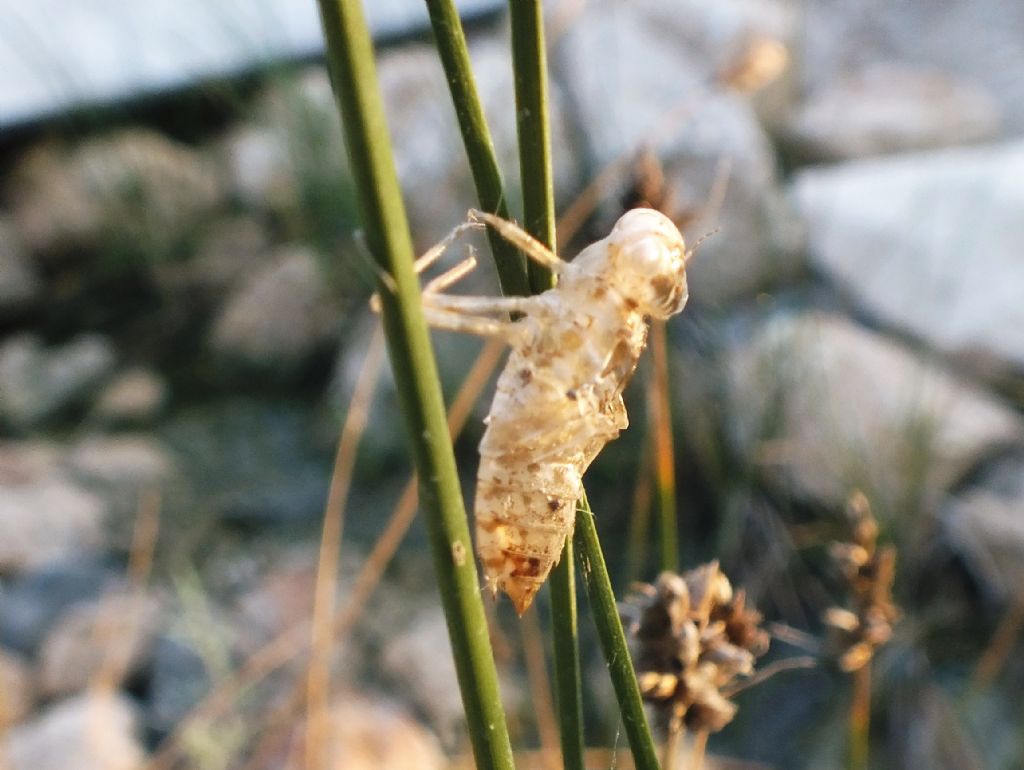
x: 859, y: 629
x: 695, y: 636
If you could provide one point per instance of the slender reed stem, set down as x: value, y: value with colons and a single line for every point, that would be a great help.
x: 476, y: 137
x: 529, y: 61
x: 353, y: 73
x: 700, y: 750
x: 613, y: 639
x: 674, y: 738
x: 860, y: 719
x: 568, y: 680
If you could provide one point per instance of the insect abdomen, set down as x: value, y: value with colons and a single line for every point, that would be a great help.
x: 523, y: 515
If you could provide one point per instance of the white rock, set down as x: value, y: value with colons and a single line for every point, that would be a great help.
x: 133, y: 186
x: 17, y: 690
x: 37, y: 383
x: 19, y: 280
x: 278, y: 318
x: 928, y: 243
x: 134, y: 396
x: 889, y: 108
x: 120, y: 467
x: 44, y: 515
x: 827, y: 407
x: 91, y: 642
x: 985, y: 523
x: 93, y: 731
x: 979, y: 41
x: 373, y: 734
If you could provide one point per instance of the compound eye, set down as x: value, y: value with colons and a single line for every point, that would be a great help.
x: 648, y: 255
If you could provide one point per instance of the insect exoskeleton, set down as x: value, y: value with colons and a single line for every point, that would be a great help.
x: 559, y: 399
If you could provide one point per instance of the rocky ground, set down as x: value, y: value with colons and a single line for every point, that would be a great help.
x: 183, y: 315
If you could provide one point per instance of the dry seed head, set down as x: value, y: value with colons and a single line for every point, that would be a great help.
x: 763, y: 60
x: 859, y: 629
x: 695, y: 636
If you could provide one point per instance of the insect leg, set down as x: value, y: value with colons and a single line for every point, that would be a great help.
x: 452, y: 276
x: 468, y: 324
x: 518, y: 237
x: 482, y: 306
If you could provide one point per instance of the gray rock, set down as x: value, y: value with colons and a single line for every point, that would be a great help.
x: 134, y: 397
x: 890, y: 108
x: 133, y: 187
x: 928, y: 243
x: 17, y: 689
x: 44, y: 514
x: 826, y: 407
x: 985, y: 523
x: 178, y: 681
x: 19, y: 280
x: 419, y: 659
x: 294, y: 142
x: 68, y: 729
x: 279, y: 318
x: 661, y: 100
x: 429, y: 155
x: 35, y: 599
x: 98, y: 642
x: 978, y: 41
x: 38, y: 383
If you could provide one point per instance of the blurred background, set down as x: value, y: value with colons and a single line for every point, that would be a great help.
x: 184, y: 320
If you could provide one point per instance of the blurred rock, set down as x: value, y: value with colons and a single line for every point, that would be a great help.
x: 429, y: 155
x: 985, y: 523
x: 378, y: 735
x: 703, y: 136
x: 121, y: 464
x: 134, y: 397
x: 227, y: 253
x: 89, y: 642
x: 293, y: 143
x: 978, y: 41
x: 44, y: 515
x: 134, y: 187
x: 929, y: 243
x: 364, y: 733
x: 827, y: 407
x: 419, y: 659
x: 38, y: 383
x: 35, y: 599
x: 278, y: 319
x: 19, y: 281
x: 178, y: 681
x: 890, y: 108
x: 17, y: 690
x: 280, y: 600
x: 93, y: 731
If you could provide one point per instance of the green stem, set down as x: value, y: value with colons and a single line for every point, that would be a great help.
x: 529, y: 61
x: 613, y: 639
x: 567, y: 662
x: 476, y: 137
x: 353, y: 73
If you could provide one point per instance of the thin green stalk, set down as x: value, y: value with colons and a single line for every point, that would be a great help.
x: 568, y: 680
x: 353, y: 73
x: 529, y: 61
x: 476, y: 137
x: 613, y: 639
